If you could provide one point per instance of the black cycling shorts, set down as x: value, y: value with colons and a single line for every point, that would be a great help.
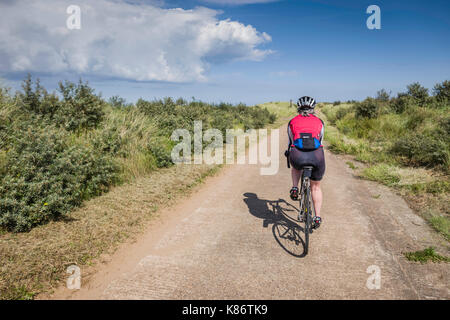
x: 316, y: 159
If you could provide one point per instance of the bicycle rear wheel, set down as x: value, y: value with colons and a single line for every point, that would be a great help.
x: 307, y: 214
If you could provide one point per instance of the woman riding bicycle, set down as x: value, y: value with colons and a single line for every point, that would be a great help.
x: 305, y: 149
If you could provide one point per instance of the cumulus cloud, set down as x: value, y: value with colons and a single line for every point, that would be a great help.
x: 137, y: 41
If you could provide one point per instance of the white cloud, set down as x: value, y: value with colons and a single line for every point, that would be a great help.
x: 118, y: 39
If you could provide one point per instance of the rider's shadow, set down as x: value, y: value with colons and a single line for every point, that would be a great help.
x: 282, y: 215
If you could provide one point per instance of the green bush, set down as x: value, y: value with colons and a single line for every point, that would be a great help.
x: 421, y: 149
x: 80, y: 107
x: 46, y: 178
x: 260, y: 117
x: 162, y: 154
x: 109, y: 141
x: 401, y: 103
x: 442, y: 91
x: 38, y: 101
x: 418, y: 93
x: 444, y: 126
x: 5, y: 124
x: 118, y: 102
x: 170, y: 115
x: 435, y: 103
x: 342, y: 112
x: 368, y: 108
x: 382, y: 96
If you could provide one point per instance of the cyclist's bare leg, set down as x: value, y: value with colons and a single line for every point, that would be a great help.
x: 296, y: 175
x: 316, y: 193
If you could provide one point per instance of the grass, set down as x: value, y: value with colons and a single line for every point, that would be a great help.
x: 442, y: 224
x: 430, y: 199
x: 35, y: 262
x: 281, y: 109
x: 382, y: 173
x: 351, y: 165
x: 21, y: 293
x: 426, y: 255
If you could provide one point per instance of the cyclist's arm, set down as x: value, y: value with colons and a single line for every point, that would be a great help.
x: 290, y: 135
x: 322, y: 131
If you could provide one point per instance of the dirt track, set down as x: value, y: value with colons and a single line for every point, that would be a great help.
x: 233, y: 239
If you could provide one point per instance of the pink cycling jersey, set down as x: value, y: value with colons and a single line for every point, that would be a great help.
x: 305, y: 124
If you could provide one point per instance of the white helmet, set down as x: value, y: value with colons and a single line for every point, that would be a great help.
x: 306, y: 103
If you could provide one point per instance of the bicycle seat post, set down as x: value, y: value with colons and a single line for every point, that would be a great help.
x: 307, y: 171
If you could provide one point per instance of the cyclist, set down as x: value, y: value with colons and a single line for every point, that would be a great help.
x: 305, y: 148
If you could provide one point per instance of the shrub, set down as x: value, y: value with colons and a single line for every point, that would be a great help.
x: 260, y: 117
x: 419, y: 93
x: 5, y: 123
x: 434, y: 103
x: 415, y: 117
x: 342, y: 112
x: 367, y: 109
x: 80, y: 108
x: 118, y: 102
x: 223, y: 121
x: 401, y: 103
x: 3, y: 162
x: 181, y: 102
x: 162, y: 152
x: 442, y: 91
x: 38, y: 101
x: 46, y: 178
x: 421, y: 150
x: 336, y: 103
x: 444, y: 126
x: 108, y: 141
x: 383, y: 95
x: 152, y: 108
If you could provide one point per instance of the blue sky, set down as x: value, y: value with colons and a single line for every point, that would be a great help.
x: 320, y: 48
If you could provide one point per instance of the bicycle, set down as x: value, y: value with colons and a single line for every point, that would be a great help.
x: 307, y: 212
